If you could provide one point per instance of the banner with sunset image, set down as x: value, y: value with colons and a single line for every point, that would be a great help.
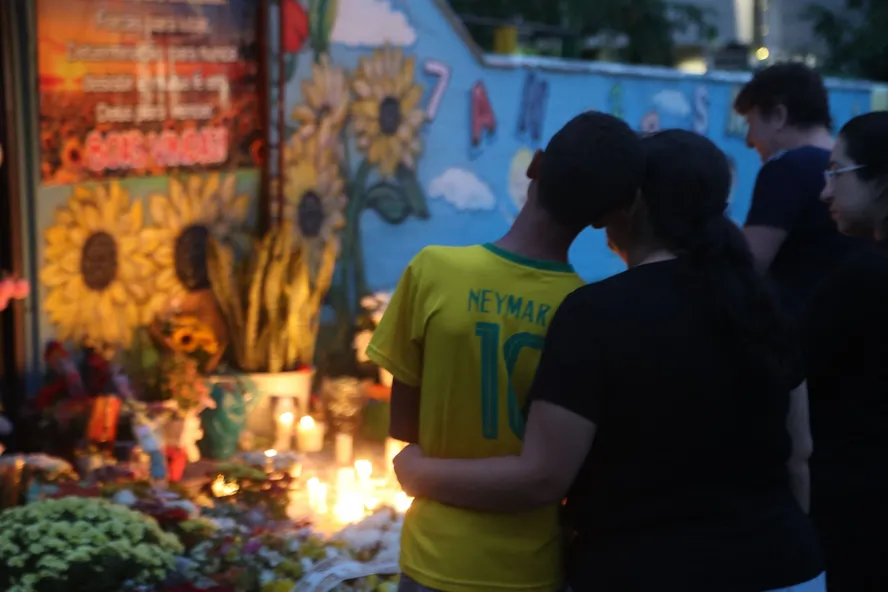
x: 142, y: 87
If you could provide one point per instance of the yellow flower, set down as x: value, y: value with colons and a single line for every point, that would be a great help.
x: 314, y: 195
x: 386, y: 114
x: 183, y: 340
x: 326, y: 97
x: 195, y: 209
x: 96, y: 267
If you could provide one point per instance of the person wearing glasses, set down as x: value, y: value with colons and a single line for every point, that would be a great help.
x: 789, y: 230
x: 845, y: 337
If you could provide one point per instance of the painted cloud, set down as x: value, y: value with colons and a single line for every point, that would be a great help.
x: 672, y: 102
x: 463, y: 190
x: 365, y: 23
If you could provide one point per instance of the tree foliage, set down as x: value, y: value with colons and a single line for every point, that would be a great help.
x: 649, y: 26
x: 854, y: 37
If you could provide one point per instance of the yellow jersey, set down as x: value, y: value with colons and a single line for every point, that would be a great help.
x: 466, y: 325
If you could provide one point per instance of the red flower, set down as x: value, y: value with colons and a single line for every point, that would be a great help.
x: 49, y: 394
x: 295, y: 25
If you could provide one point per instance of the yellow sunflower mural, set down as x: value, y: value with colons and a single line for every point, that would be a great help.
x: 386, y: 113
x: 326, y: 97
x: 96, y: 267
x: 196, y: 208
x: 314, y: 196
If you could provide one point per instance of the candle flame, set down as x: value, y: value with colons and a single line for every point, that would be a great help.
x: 221, y: 488
x: 287, y: 418
x: 364, y: 468
x: 271, y: 453
x: 402, y: 502
x: 307, y: 422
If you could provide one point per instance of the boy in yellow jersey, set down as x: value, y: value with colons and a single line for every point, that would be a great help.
x: 462, y: 338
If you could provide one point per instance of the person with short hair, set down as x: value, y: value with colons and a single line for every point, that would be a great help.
x: 462, y: 337
x: 845, y: 334
x: 669, y: 407
x: 788, y: 228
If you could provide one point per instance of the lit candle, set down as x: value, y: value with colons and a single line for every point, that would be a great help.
x: 221, y: 488
x: 344, y: 449
x: 285, y: 430
x: 310, y: 435
x: 317, y: 495
x: 402, y: 502
x: 269, y: 460
x: 363, y: 469
x: 345, y: 480
x: 392, y: 449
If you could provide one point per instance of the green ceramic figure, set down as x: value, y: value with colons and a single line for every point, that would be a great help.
x: 223, y: 425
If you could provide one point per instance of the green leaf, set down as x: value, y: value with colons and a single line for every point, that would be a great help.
x: 413, y: 190
x: 389, y: 201
x: 321, y: 17
x: 289, y: 67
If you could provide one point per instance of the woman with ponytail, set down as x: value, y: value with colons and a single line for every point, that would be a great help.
x: 668, y: 408
x: 845, y: 336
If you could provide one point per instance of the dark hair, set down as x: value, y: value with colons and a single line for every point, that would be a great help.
x: 686, y: 198
x: 795, y: 86
x: 591, y: 166
x: 866, y: 143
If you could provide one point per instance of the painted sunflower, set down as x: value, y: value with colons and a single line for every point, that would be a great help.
x: 386, y: 113
x: 326, y: 97
x: 196, y: 209
x: 96, y: 267
x: 314, y: 196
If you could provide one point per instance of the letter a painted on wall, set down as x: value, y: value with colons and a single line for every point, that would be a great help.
x: 483, y: 119
x: 533, y: 107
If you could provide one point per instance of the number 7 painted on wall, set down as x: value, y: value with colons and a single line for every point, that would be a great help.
x: 442, y: 72
x: 490, y: 359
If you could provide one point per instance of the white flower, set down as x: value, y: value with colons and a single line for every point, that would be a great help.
x: 125, y: 497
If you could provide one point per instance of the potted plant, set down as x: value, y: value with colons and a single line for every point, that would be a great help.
x: 271, y: 300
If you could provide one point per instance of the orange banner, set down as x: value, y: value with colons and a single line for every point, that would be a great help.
x: 139, y: 87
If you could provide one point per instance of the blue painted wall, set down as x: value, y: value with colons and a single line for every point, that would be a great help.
x: 476, y: 201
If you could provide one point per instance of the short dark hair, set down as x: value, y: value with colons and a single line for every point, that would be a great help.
x: 591, y: 167
x: 797, y: 87
x: 866, y: 143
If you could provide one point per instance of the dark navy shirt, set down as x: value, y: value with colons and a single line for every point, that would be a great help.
x: 787, y: 196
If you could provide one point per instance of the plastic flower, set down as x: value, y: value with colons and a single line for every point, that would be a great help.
x: 386, y: 113
x: 96, y: 267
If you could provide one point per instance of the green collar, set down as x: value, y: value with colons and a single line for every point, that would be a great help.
x: 541, y: 264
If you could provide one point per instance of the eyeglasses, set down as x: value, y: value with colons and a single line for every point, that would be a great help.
x: 833, y: 173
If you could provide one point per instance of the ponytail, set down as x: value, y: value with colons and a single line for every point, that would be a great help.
x: 686, y: 198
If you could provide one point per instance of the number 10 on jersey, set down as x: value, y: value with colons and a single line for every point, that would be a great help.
x: 491, y: 356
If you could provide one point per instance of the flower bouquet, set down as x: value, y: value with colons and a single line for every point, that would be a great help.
x: 82, y: 544
x: 190, y: 349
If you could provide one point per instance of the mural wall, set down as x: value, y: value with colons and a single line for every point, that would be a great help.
x: 149, y: 143
x: 432, y: 140
x: 399, y: 135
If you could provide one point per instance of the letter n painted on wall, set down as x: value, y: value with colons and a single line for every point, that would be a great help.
x: 533, y: 107
x: 483, y: 118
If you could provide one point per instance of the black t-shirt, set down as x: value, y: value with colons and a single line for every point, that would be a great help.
x: 685, y: 487
x: 787, y: 196
x: 845, y: 337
